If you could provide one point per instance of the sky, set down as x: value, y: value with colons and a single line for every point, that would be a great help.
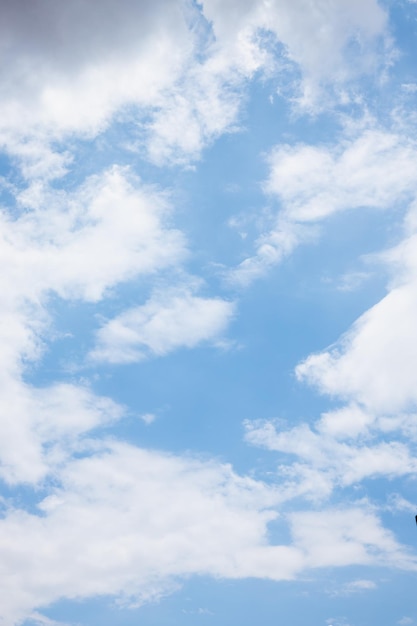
x: 208, y: 312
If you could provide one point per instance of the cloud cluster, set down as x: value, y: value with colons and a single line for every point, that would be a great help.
x: 125, y: 521
x: 174, y: 67
x: 131, y: 522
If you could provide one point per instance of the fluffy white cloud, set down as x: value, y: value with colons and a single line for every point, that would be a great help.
x: 178, y: 63
x: 128, y: 522
x: 315, y: 35
x: 41, y: 427
x: 168, y: 321
x: 376, y: 360
x: 325, y: 463
x: 373, y: 363
x: 77, y: 245
x: 132, y: 523
x: 310, y: 183
x: 346, y: 536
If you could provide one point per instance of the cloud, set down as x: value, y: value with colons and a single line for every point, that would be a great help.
x: 40, y: 620
x: 131, y: 524
x: 76, y: 245
x: 346, y: 536
x: 308, y: 184
x: 177, y: 70
x: 79, y: 244
x: 356, y: 586
x: 148, y: 418
x: 167, y: 321
x: 128, y: 522
x: 374, y: 362
x: 320, y: 38
x: 324, y: 464
x: 313, y: 182
x: 41, y: 427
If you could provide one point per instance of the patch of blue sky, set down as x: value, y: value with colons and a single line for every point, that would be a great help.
x: 321, y: 600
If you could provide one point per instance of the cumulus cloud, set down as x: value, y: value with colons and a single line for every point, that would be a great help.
x: 177, y: 68
x: 133, y: 523
x: 315, y: 35
x: 41, y: 427
x: 375, y: 361
x: 76, y: 245
x: 168, y: 321
x: 324, y: 463
x: 79, y: 244
x: 308, y: 183
x: 128, y: 522
x: 346, y: 536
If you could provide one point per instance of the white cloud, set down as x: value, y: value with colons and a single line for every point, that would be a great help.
x: 77, y: 245
x: 110, y: 230
x: 341, y: 537
x: 127, y: 522
x: 397, y: 503
x: 41, y: 427
x: 167, y: 321
x: 374, y: 363
x: 132, y: 524
x: 357, y: 586
x: 148, y: 418
x: 313, y: 182
x: 330, y: 42
x: 325, y: 463
x: 41, y: 620
x: 178, y: 66
x: 308, y: 184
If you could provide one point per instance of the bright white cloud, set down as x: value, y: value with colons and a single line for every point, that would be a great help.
x: 110, y: 230
x: 128, y: 522
x: 313, y: 182
x: 180, y: 64
x: 344, y: 537
x: 310, y: 183
x: 168, y: 321
x: 320, y: 37
x: 376, y: 360
x: 373, y: 363
x: 131, y: 523
x: 41, y: 427
x: 77, y: 245
x: 325, y: 463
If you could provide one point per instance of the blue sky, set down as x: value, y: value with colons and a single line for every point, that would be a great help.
x: 208, y: 304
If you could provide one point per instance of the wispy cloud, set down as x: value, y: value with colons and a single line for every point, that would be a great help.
x: 171, y: 319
